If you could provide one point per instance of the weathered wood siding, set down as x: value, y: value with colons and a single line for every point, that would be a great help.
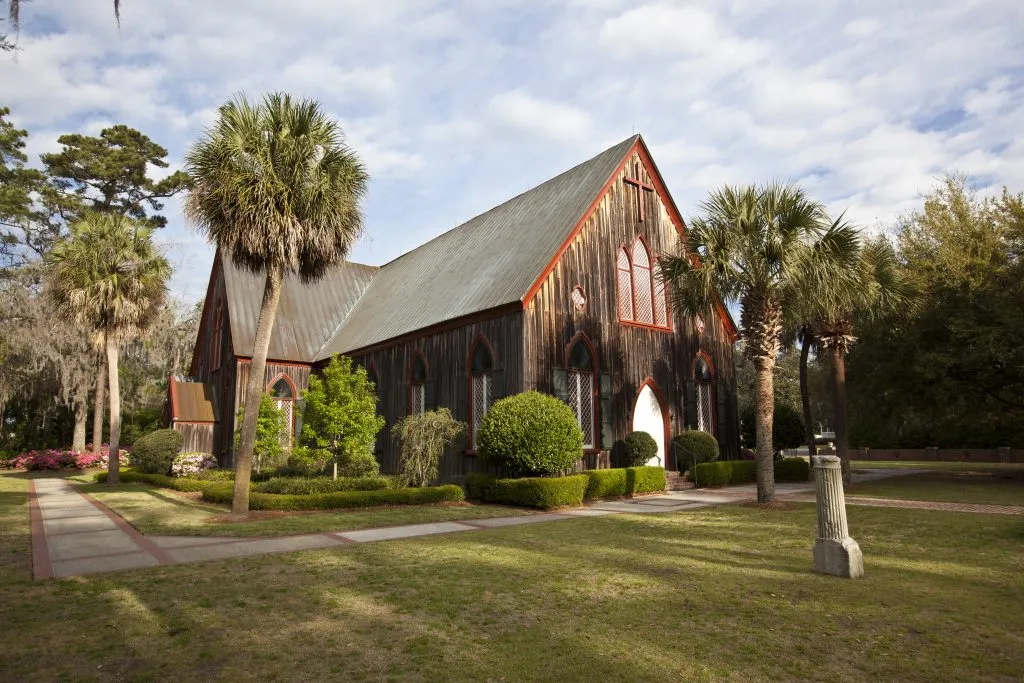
x: 197, y: 437
x: 222, y: 377
x: 629, y: 353
x: 447, y: 357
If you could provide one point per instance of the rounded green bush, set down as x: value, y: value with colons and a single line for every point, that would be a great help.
x: 531, y: 433
x: 154, y: 453
x: 638, y: 448
x: 694, y: 447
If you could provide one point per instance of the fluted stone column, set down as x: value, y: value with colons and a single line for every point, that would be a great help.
x: 834, y: 551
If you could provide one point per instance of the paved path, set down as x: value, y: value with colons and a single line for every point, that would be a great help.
x: 925, y: 505
x: 74, y: 534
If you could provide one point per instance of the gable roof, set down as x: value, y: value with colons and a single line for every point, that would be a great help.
x: 495, y: 259
x: 488, y: 261
x: 307, y: 315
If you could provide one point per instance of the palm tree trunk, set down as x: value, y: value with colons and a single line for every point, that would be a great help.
x: 805, y: 393
x: 81, y: 416
x: 97, y: 409
x: 764, y: 410
x: 839, y: 408
x: 253, y: 391
x: 113, y: 459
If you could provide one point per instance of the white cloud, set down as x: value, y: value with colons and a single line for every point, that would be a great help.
x: 546, y: 119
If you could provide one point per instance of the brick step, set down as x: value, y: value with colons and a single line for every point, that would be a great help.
x: 674, y: 481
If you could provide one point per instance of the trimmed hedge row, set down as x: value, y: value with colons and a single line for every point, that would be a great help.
x: 745, y: 472
x: 312, y: 485
x: 222, y: 493
x: 549, y: 492
x: 534, y: 492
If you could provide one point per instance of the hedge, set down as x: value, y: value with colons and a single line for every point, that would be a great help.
x: 155, y: 452
x: 639, y: 448
x: 309, y: 485
x: 792, y: 469
x: 535, y: 492
x: 745, y: 472
x: 647, y: 479
x: 185, y: 484
x: 606, y: 483
x: 694, y: 447
x: 222, y: 493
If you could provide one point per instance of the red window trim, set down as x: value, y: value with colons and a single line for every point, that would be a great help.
x: 633, y: 322
x: 293, y: 399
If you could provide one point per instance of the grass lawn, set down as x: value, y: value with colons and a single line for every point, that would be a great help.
x: 712, y: 594
x: 1003, y: 467
x: 161, y: 512
x: 948, y: 487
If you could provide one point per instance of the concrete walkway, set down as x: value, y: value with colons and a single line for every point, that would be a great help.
x: 74, y: 534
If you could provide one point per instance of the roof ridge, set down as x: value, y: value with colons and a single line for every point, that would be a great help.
x: 631, y: 139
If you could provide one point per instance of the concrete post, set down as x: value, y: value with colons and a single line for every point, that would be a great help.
x: 834, y: 552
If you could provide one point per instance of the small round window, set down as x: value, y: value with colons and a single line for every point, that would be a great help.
x: 579, y: 299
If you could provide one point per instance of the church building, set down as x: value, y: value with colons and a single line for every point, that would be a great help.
x: 556, y: 290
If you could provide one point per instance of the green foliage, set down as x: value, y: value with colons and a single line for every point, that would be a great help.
x: 215, y: 475
x: 644, y: 480
x: 606, y: 483
x: 17, y: 183
x: 536, y: 492
x: 787, y: 428
x: 222, y: 493
x: 340, y: 420
x: 183, y: 484
x: 792, y: 469
x: 424, y: 438
x: 531, y: 433
x: 951, y: 372
x: 692, y: 447
x: 110, y: 173
x: 270, y: 426
x: 638, y: 448
x: 736, y: 472
x: 308, y: 485
x: 155, y: 452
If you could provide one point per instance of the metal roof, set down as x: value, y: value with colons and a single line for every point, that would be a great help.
x: 489, y: 261
x: 307, y: 315
x: 193, y: 402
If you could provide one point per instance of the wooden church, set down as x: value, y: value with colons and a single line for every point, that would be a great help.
x: 554, y: 290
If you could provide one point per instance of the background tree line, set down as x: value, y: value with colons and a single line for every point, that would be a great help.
x: 50, y: 372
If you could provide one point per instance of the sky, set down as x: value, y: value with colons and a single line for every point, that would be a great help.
x: 457, y: 106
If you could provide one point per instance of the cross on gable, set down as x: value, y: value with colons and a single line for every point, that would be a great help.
x: 641, y: 187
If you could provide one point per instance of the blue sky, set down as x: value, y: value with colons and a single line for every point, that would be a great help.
x: 457, y: 106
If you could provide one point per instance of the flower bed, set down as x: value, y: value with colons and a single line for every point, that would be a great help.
x: 54, y: 459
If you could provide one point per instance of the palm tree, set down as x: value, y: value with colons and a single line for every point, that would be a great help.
x: 276, y: 188
x: 874, y: 286
x: 108, y: 277
x: 756, y: 246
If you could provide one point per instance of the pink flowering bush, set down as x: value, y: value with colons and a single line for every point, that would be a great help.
x: 53, y: 459
x: 191, y: 464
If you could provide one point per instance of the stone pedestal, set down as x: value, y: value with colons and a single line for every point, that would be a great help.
x: 834, y: 552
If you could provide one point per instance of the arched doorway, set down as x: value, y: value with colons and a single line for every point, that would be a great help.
x: 649, y: 417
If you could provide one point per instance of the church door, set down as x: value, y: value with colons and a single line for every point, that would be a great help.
x: 649, y: 417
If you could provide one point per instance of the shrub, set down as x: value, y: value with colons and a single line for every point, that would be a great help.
x: 531, y: 433
x: 644, y: 479
x: 535, y: 492
x: 270, y: 425
x: 185, y: 484
x: 191, y: 464
x: 215, y: 475
x: 424, y: 438
x: 638, y: 448
x: 693, y: 447
x: 479, y: 486
x: 340, y: 420
x: 745, y: 472
x: 54, y: 459
x: 154, y: 453
x: 792, y: 469
x: 787, y: 428
x: 606, y: 483
x: 222, y: 493
x: 309, y: 485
